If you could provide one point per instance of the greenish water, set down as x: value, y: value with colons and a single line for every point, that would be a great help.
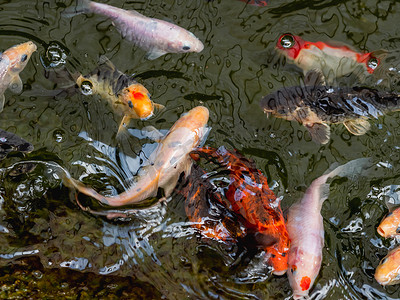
x: 158, y: 249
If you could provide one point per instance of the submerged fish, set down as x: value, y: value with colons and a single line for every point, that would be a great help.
x: 158, y: 37
x: 10, y: 142
x: 390, y: 225
x: 332, y: 59
x: 306, y: 229
x: 316, y: 105
x: 203, y: 208
x: 128, y: 98
x: 166, y: 163
x: 388, y: 270
x: 12, y: 62
x: 250, y: 198
x: 256, y: 2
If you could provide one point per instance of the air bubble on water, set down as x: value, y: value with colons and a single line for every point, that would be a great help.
x: 87, y: 88
x: 58, y: 135
x: 54, y: 56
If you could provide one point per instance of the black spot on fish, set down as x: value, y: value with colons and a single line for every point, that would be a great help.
x: 139, y: 189
x: 24, y: 57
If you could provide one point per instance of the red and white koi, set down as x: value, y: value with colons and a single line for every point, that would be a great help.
x: 12, y: 62
x: 166, y: 163
x: 156, y: 36
x: 388, y: 271
x: 306, y: 229
x: 331, y: 58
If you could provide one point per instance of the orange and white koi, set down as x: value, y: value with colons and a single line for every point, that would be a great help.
x: 306, y: 229
x: 128, y: 98
x: 388, y: 271
x: 166, y: 163
x: 12, y: 62
x: 331, y: 58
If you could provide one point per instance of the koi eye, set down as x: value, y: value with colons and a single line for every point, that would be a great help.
x: 384, y: 260
x: 186, y: 48
x: 24, y: 57
x: 373, y: 63
x: 398, y: 230
x: 287, y: 41
x: 86, y: 87
x: 130, y: 104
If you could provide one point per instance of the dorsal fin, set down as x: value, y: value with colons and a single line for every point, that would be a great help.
x: 314, y: 78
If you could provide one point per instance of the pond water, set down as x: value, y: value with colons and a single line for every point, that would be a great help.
x: 238, y: 66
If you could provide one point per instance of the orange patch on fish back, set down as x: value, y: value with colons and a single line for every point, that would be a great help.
x: 137, y: 95
x: 305, y: 283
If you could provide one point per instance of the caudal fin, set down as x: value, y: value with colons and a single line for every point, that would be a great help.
x: 82, y: 6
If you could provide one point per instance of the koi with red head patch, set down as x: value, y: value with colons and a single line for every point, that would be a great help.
x: 332, y: 59
x: 388, y: 271
x: 251, y: 199
x: 12, y: 62
x: 306, y: 229
x: 129, y: 99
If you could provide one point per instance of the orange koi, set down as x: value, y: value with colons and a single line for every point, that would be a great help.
x: 388, y: 271
x: 166, y: 163
x: 251, y: 199
x: 390, y: 225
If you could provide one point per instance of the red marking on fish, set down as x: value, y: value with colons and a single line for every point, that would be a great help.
x: 250, y: 198
x: 305, y: 283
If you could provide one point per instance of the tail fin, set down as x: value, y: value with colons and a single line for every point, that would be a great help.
x: 352, y: 169
x: 82, y: 6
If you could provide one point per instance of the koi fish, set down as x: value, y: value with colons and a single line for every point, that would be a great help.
x: 256, y: 2
x: 12, y: 62
x: 250, y: 198
x: 306, y: 229
x: 388, y: 270
x: 390, y: 225
x: 316, y: 105
x: 166, y: 163
x: 10, y: 142
x: 158, y: 37
x: 202, y: 206
x: 128, y: 98
x: 332, y: 59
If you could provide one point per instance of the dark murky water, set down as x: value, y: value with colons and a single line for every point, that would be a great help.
x: 237, y: 67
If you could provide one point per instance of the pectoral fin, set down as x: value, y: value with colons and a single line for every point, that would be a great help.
x: 16, y: 85
x: 155, y: 53
x: 152, y: 133
x: 158, y: 106
x: 2, y: 101
x: 358, y: 126
x: 320, y: 132
x: 123, y: 124
x: 314, y: 78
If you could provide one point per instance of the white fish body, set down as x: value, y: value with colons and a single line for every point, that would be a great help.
x: 166, y: 163
x: 306, y: 229
x: 156, y: 36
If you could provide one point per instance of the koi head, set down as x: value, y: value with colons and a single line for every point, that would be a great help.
x: 19, y: 55
x: 390, y: 225
x: 290, y: 45
x: 137, y: 97
x: 185, y: 42
x: 388, y: 271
